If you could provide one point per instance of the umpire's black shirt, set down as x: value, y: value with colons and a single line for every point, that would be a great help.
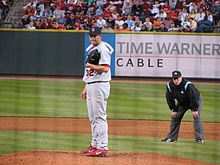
x: 185, y: 95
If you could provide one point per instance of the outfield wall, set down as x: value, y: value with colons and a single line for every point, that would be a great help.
x: 41, y: 53
x: 60, y: 53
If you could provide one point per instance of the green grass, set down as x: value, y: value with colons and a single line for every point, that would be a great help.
x: 57, y: 98
x: 12, y: 141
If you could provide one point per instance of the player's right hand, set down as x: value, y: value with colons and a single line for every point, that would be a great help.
x: 84, y: 94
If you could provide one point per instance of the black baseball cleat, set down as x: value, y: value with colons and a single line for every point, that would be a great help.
x: 167, y: 140
x: 200, y: 141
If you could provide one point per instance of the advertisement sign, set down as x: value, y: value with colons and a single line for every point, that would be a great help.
x: 151, y: 55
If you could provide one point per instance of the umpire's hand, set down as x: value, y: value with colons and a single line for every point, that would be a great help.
x: 174, y: 115
x: 195, y: 114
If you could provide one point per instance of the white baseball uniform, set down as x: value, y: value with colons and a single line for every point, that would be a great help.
x: 98, y: 90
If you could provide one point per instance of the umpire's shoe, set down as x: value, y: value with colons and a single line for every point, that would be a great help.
x: 200, y: 141
x: 167, y: 140
x: 98, y: 153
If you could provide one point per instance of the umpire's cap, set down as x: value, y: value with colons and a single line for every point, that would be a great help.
x: 176, y: 74
x: 95, y: 31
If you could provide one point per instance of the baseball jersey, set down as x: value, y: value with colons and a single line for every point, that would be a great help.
x: 106, y: 51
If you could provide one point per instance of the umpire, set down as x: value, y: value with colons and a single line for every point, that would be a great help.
x: 182, y: 95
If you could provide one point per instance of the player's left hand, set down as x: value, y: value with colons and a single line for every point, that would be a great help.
x: 195, y: 114
x: 88, y: 65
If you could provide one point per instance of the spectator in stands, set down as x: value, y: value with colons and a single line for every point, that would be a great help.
x: 99, y: 11
x: 125, y: 27
x: 32, y: 3
x: 155, y: 8
x: 30, y: 26
x: 101, y: 22
x: 71, y: 2
x: 148, y: 24
x: 136, y: 9
x: 47, y: 12
x: 111, y: 22
x: 83, y: 11
x: 126, y: 8
x: 193, y: 24
x: 183, y: 13
x: 200, y: 16
x: 43, y: 24
x: 136, y: 27
x: 107, y: 27
x: 37, y: 16
x: 209, y: 15
x: 162, y: 28
x: 111, y: 7
x: 117, y: 27
x: 101, y: 3
x: 91, y: 9
x: 58, y: 12
x: 192, y: 6
x: 204, y: 25
x: 61, y: 20
x: 173, y: 28
x: 119, y: 21
x: 137, y: 20
x: 178, y: 22
x: 192, y: 14
x: 115, y: 14
x: 186, y: 23
x: 173, y: 14
x: 215, y: 11
x: 167, y: 22
x: 129, y: 21
x: 161, y: 14
x: 25, y: 20
x: 173, y: 3
x: 165, y: 6
x: 143, y: 28
x: 78, y: 26
x: 157, y: 23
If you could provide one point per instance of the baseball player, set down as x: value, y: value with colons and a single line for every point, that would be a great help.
x: 182, y: 95
x: 96, y: 92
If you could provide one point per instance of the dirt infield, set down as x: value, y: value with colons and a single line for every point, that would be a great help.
x: 143, y: 128
x: 74, y: 158
x: 116, y: 127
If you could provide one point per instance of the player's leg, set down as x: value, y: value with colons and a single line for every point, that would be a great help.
x: 198, y: 127
x: 100, y: 115
x: 90, y: 95
x: 90, y: 106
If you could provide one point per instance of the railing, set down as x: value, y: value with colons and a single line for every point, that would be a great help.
x: 7, y: 25
x: 211, y: 29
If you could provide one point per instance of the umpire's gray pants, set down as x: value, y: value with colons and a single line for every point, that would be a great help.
x: 175, y: 123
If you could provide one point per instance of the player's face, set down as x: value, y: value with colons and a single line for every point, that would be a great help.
x: 177, y: 81
x: 95, y: 39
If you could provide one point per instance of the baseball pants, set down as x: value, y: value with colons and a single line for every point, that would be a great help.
x: 97, y: 95
x: 175, y: 124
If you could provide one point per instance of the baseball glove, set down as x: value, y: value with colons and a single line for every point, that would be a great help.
x: 93, y: 57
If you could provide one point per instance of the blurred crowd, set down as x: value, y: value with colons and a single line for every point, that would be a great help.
x: 122, y: 15
x: 4, y: 8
